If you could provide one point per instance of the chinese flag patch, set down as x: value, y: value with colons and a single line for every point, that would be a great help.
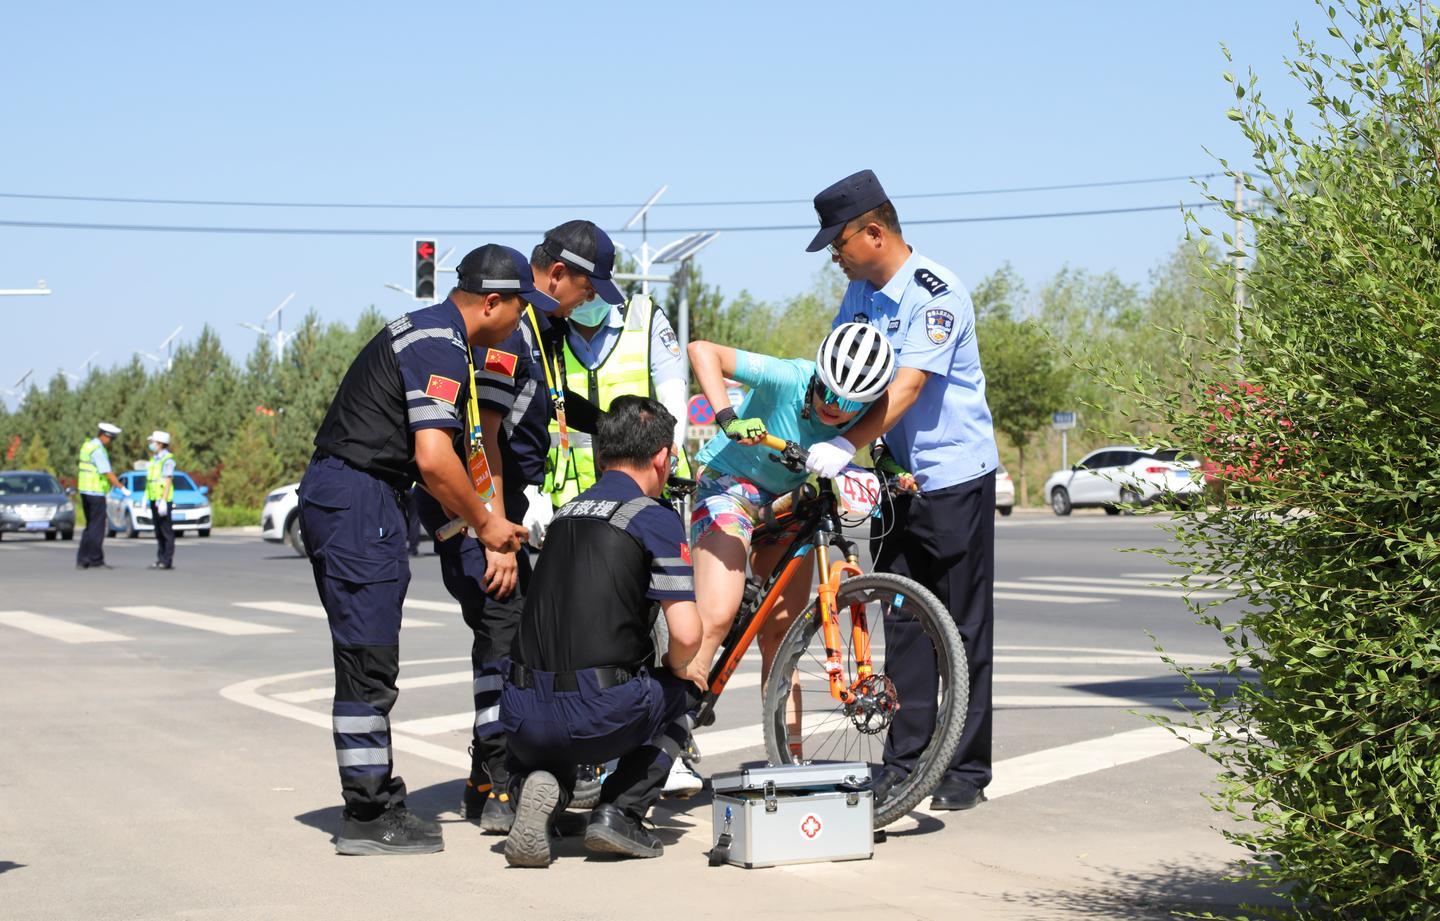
x: 443, y: 388
x: 685, y: 552
x: 500, y: 362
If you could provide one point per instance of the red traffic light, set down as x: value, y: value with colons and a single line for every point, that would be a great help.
x: 424, y: 249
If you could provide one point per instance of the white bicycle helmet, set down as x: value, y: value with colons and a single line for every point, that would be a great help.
x: 855, y: 363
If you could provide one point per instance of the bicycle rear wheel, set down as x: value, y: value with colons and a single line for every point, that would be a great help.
x: 900, y: 612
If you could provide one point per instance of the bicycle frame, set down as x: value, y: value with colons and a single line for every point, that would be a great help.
x: 819, y: 531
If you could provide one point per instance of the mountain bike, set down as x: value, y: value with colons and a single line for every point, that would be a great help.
x: 828, y: 695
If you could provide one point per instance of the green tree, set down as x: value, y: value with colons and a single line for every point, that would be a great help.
x: 35, y: 456
x: 251, y: 467
x: 1024, y: 383
x: 1324, y: 431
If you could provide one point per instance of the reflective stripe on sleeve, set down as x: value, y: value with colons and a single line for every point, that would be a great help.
x: 629, y: 510
x: 428, y: 413
x: 404, y: 342
x: 489, y: 683
x: 486, y: 716
x: 661, y: 583
x: 668, y: 562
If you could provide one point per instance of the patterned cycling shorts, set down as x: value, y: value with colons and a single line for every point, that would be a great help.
x: 727, y: 504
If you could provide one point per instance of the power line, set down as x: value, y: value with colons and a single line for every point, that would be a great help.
x: 467, y: 232
x: 110, y: 199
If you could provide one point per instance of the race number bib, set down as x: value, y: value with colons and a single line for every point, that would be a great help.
x: 858, y: 490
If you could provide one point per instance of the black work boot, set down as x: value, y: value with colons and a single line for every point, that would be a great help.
x: 498, y: 813
x: 394, y: 831
x: 529, y: 842
x: 613, y: 832
x: 472, y: 804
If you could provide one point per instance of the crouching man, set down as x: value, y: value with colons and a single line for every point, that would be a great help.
x: 579, y: 690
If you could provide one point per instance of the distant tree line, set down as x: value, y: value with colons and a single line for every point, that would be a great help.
x: 243, y: 428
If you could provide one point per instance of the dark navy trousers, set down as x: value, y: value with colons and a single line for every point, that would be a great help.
x: 493, y: 621
x: 642, y: 722
x: 92, y: 540
x: 945, y: 540
x: 355, y: 532
x: 164, y: 533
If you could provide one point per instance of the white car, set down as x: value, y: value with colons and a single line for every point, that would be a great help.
x: 1123, y: 475
x: 280, y: 518
x: 1004, y: 491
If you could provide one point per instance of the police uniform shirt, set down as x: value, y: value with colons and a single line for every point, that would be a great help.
x: 665, y: 364
x: 101, y: 459
x: 410, y: 376
x: 589, y: 602
x: 510, y: 379
x: 947, y: 437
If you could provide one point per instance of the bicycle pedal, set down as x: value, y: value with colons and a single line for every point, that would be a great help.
x: 691, y: 751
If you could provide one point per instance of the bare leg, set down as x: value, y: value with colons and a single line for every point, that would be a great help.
x: 794, y: 596
x: 719, y: 587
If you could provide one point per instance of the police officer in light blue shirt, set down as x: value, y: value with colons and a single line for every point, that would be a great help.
x: 936, y: 423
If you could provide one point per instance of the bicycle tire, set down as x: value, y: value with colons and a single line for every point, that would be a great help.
x: 954, y: 693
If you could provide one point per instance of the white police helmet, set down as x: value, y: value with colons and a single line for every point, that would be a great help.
x: 160, y: 437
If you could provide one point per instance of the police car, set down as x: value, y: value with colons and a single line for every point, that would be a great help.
x: 190, y: 507
x: 280, y: 518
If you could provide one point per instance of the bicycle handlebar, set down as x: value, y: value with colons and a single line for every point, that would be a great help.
x: 791, y: 454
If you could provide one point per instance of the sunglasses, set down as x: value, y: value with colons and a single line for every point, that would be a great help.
x: 831, y: 398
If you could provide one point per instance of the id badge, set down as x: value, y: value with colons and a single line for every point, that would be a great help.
x: 480, y: 474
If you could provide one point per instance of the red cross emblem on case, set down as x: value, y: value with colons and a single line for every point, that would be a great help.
x: 811, y: 826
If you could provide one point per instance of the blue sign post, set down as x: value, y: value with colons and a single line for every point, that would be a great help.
x: 1063, y: 422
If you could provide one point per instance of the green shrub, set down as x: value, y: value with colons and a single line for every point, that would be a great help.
x: 1326, y: 426
x: 234, y: 516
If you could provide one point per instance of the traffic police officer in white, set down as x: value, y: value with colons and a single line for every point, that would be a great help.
x: 160, y: 491
x: 92, y: 473
x: 937, y: 425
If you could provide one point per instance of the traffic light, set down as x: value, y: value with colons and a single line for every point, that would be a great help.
x: 424, y: 270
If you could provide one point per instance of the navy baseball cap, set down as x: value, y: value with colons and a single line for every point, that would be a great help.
x: 586, y: 248
x: 842, y: 203
x: 496, y: 269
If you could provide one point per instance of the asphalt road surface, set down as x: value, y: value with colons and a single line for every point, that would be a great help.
x: 167, y: 754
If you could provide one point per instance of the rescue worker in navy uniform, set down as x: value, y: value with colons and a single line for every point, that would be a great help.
x: 392, y: 422
x: 92, y: 473
x: 579, y: 689
x: 937, y: 425
x: 572, y: 264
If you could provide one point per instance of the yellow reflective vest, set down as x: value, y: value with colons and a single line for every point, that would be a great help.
x: 89, y: 479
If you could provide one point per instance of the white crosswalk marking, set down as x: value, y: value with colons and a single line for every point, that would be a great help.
x: 423, y: 681
x: 1081, y: 586
x: 1044, y: 767
x: 444, y: 607
x: 316, y: 611
x: 57, y: 629
x: 1053, y: 599
x: 207, y: 622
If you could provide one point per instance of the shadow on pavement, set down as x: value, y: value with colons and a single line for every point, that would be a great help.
x: 1151, y: 895
x: 6, y: 865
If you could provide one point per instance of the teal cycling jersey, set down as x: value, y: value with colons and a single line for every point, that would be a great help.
x: 779, y: 388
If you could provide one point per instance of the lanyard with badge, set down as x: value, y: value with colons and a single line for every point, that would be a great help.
x: 554, y: 380
x: 476, y: 461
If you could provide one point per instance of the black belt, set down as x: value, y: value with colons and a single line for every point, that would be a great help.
x: 523, y: 677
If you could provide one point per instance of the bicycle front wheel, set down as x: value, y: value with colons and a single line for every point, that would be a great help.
x: 907, y: 624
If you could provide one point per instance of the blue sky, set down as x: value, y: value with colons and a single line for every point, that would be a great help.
x: 570, y: 104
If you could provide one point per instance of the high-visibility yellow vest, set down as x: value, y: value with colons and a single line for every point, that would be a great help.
x: 626, y: 370
x: 155, y: 478
x: 89, y: 479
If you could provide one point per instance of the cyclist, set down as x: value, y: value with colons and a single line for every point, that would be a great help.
x: 806, y: 402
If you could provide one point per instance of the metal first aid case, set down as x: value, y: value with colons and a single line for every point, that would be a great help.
x: 793, y: 813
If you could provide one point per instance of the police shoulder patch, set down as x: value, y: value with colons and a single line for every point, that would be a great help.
x: 667, y: 338
x: 501, y: 362
x: 939, y: 324
x: 442, y: 388
x: 931, y: 282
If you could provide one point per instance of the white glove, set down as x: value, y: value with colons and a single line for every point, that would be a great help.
x: 537, y: 516
x: 828, y: 458
x: 124, y: 492
x: 161, y: 506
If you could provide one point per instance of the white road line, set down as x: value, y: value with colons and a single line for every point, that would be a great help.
x: 1080, y: 678
x: 57, y: 629
x: 435, y: 725
x: 444, y: 607
x: 1025, y: 772
x: 1076, y: 701
x: 1106, y: 587
x: 1095, y: 660
x: 195, y: 621
x: 315, y: 611
x: 403, y: 684
x: 1143, y: 655
x: 1052, y: 599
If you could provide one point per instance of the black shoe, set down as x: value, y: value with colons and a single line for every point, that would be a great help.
x: 956, y: 794
x: 159, y: 565
x: 498, y: 813
x: 394, y: 831
x: 613, y: 832
x: 472, y: 804
x: 529, y: 842
x: 567, y: 824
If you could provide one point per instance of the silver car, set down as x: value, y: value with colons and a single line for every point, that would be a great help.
x: 1124, y: 475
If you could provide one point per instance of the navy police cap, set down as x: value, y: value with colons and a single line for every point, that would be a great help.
x: 586, y: 248
x: 497, y: 269
x: 842, y: 203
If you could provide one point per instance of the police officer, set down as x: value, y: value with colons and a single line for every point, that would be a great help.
x: 93, y: 470
x: 579, y: 689
x: 392, y: 422
x: 160, y: 492
x: 936, y: 423
x: 515, y: 402
x: 611, y: 350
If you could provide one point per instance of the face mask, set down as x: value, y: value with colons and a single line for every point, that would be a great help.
x: 154, y: 448
x: 591, y: 314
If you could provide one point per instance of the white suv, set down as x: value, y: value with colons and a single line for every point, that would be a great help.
x: 280, y: 518
x: 1123, y: 475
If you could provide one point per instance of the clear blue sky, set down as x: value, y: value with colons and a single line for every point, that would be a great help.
x: 569, y: 103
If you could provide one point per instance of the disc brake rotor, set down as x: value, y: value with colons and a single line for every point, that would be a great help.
x: 874, y: 706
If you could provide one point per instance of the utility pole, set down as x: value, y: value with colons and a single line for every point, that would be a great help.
x: 1239, y: 261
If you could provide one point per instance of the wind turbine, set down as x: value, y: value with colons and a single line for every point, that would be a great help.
x: 275, y: 315
x: 80, y: 376
x: 14, y: 389
x: 168, y: 347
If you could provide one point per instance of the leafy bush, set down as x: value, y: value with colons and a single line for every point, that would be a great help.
x: 234, y: 516
x: 1325, y: 424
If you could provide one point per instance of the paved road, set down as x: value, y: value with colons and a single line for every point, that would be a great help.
x: 168, y: 753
